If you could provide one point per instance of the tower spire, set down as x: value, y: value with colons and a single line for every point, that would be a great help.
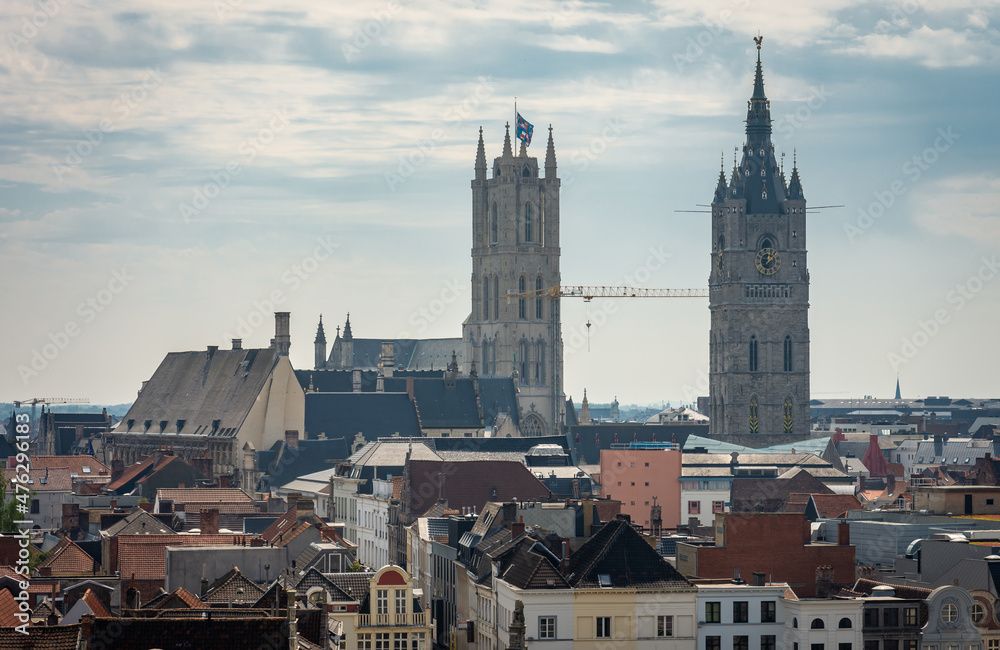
x: 347, y: 329
x: 720, y: 187
x: 795, y: 184
x: 550, y: 157
x: 320, y: 334
x: 481, y: 158
x: 758, y: 108
x: 507, y: 152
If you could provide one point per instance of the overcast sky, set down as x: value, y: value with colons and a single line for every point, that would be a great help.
x: 167, y: 172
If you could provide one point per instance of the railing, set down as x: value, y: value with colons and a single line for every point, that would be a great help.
x: 413, y: 619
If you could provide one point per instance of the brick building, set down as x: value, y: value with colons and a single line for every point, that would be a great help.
x: 775, y: 544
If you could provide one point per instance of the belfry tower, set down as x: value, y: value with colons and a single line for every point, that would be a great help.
x: 759, y: 289
x: 515, y: 249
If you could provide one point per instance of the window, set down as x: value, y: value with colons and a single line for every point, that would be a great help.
x: 890, y: 617
x: 788, y: 354
x: 991, y: 644
x: 890, y: 644
x: 768, y: 611
x: 382, y: 601
x: 817, y: 646
x: 845, y: 623
x: 871, y: 644
x: 417, y: 641
x: 527, y: 220
x: 768, y: 642
x: 538, y: 301
x: 494, y: 225
x: 664, y: 626
x: 522, y: 360
x: 401, y: 601
x: 35, y: 507
x: 844, y: 646
x: 540, y: 363
x: 486, y: 298
x: 817, y: 624
x: 521, y: 287
x: 949, y: 613
x: 399, y: 641
x: 871, y: 618
x: 713, y: 643
x: 741, y: 642
x: 713, y: 612
x: 382, y: 641
x: 795, y: 622
x: 603, y: 627
x: 911, y: 644
x: 717, y: 506
x: 496, y: 303
x: 741, y: 612
x: 364, y: 642
x: 978, y: 613
x: 546, y: 627
x: 694, y: 507
x: 753, y: 354
x: 789, y: 414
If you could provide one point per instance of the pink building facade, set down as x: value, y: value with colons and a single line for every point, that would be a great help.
x: 638, y: 473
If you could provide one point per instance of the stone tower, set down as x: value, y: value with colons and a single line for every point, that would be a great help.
x: 515, y: 248
x: 759, y: 290
x: 320, y: 346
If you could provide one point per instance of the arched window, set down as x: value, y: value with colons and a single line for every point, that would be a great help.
x: 526, y: 172
x: 521, y: 302
x: 788, y: 411
x: 845, y: 623
x: 795, y: 622
x: 496, y: 297
x: 486, y: 298
x: 766, y: 243
x: 754, y: 408
x: 527, y: 220
x: 486, y: 358
x: 753, y: 354
x: 494, y: 225
x: 540, y: 363
x: 522, y: 361
x: 817, y: 624
x: 788, y: 353
x: 538, y: 301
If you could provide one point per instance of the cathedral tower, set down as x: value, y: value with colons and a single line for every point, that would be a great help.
x: 759, y: 289
x: 515, y: 248
x: 320, y: 346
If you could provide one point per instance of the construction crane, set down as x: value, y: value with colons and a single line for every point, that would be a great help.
x: 35, y: 401
x: 588, y: 293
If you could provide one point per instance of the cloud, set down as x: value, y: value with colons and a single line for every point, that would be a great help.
x: 931, y: 48
x: 966, y: 206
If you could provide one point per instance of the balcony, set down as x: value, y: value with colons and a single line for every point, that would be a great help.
x: 413, y: 619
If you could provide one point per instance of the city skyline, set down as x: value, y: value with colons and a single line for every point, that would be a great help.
x: 170, y: 180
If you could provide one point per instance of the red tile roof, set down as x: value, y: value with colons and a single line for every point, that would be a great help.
x: 181, y: 594
x: 75, y: 464
x: 8, y: 609
x: 834, y: 506
x: 68, y: 558
x: 59, y: 637
x: 95, y: 605
x: 144, y: 556
x: 54, y: 479
x: 131, y: 472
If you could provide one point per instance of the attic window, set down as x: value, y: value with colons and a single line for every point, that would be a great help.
x: 604, y: 579
x: 180, y: 425
x: 86, y: 469
x: 130, y: 423
x: 163, y: 426
x: 147, y: 424
x: 966, y: 461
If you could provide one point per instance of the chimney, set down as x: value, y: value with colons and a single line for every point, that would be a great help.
x: 890, y: 482
x: 223, y: 481
x: 203, y: 465
x: 79, y: 432
x: 388, y: 358
x: 564, y: 565
x: 844, y: 533
x: 758, y: 579
x: 517, y: 527
x: 282, y: 339
x: 824, y: 581
x: 292, y: 438
x: 86, y: 630
x: 113, y: 505
x: 356, y: 380
x: 304, y: 509
x: 212, y: 349
x: 117, y: 469
x: 237, y: 344
x: 209, y: 521
x: 204, y: 583
x: 409, y: 387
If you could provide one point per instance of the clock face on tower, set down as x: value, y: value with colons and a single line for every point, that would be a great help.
x: 768, y: 261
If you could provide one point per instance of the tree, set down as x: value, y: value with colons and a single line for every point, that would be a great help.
x: 8, y: 510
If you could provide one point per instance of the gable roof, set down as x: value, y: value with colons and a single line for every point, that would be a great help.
x: 533, y: 568
x: 233, y: 587
x: 82, y: 465
x: 8, y: 609
x: 53, y: 479
x: 179, y: 598
x: 834, y: 506
x: 95, y: 605
x: 772, y: 494
x: 620, y: 553
x: 139, y: 522
x: 470, y: 484
x: 68, y: 557
x: 373, y: 415
x: 59, y: 637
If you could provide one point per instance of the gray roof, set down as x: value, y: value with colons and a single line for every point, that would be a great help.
x: 138, y: 523
x: 198, y: 388
x: 952, y: 448
x: 408, y: 354
x: 374, y: 415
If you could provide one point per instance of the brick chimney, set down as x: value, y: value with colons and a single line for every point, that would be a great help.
x: 117, y: 469
x: 304, y: 509
x: 203, y: 465
x: 86, y: 630
x: 223, y: 481
x: 292, y: 438
x: 517, y: 527
x: 843, y: 534
x: 210, y: 521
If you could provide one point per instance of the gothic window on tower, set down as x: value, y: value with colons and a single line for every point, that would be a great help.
x: 754, y: 407
x: 753, y: 354
x: 788, y: 354
x: 527, y: 221
x: 538, y: 301
x: 486, y: 298
x: 788, y: 414
x: 521, y: 302
x: 522, y: 361
x: 494, y: 225
x: 496, y: 297
x: 540, y: 363
x: 526, y: 172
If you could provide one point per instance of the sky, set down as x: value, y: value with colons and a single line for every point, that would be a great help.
x: 171, y: 175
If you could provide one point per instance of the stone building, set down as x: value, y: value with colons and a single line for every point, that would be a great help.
x: 759, y: 290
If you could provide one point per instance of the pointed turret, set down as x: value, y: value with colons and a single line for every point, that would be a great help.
x: 348, y: 336
x: 735, y: 182
x: 481, y: 158
x: 550, y: 157
x: 795, y: 185
x: 523, y: 152
x: 320, y: 347
x: 720, y: 187
x: 584, y: 409
x: 758, y: 108
x: 898, y: 394
x: 320, y: 334
x: 507, y: 152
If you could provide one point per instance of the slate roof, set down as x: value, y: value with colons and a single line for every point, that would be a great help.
x: 67, y: 557
x: 41, y: 637
x: 498, y: 395
x: 184, y: 631
x: 618, y: 551
x: 139, y: 522
x: 470, y: 484
x: 198, y: 388
x: 408, y: 354
x: 354, y: 584
x: 226, y: 589
x: 374, y: 415
x: 533, y: 568
x: 283, y: 463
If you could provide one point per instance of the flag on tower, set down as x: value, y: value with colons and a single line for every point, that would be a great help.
x: 524, y: 130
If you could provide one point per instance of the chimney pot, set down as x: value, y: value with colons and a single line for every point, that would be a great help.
x: 237, y: 344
